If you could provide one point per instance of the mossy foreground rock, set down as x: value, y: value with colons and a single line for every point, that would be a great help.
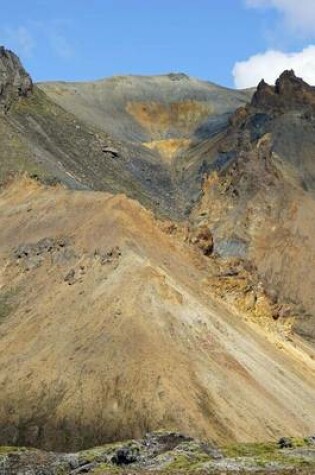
x: 165, y: 452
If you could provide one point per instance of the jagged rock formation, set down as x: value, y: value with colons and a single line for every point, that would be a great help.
x: 289, y: 92
x: 14, y: 80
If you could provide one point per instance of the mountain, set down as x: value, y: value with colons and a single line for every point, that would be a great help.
x: 106, y: 140
x: 156, y: 259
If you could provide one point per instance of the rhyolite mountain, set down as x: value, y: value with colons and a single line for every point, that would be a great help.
x: 157, y: 244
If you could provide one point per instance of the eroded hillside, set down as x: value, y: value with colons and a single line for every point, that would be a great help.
x: 110, y: 328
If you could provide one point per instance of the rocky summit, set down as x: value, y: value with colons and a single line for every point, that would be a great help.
x: 289, y: 92
x: 157, y: 249
x: 14, y: 80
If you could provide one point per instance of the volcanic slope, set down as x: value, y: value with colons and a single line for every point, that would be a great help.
x: 109, y: 328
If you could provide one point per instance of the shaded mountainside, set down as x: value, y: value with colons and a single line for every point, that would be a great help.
x: 115, y: 322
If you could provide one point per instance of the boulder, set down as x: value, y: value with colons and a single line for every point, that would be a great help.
x: 203, y: 239
x: 125, y: 456
x: 70, y: 277
x: 110, y: 150
x: 285, y: 443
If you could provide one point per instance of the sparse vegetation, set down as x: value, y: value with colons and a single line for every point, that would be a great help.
x: 187, y: 457
x: 7, y: 303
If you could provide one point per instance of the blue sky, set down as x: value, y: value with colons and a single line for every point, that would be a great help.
x: 209, y: 39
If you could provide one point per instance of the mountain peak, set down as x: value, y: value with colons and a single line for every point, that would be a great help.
x: 289, y: 92
x: 15, y: 82
x: 288, y: 83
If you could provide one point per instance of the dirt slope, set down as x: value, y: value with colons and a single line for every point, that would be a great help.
x: 109, y: 329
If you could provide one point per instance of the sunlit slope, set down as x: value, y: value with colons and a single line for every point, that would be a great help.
x: 144, y: 108
x: 109, y: 329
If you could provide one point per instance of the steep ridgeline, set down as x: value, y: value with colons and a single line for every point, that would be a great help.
x: 259, y: 202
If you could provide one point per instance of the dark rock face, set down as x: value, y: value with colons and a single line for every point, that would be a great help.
x: 15, y: 82
x: 125, y: 456
x: 264, y: 94
x: 285, y: 443
x: 203, y: 239
x: 289, y: 92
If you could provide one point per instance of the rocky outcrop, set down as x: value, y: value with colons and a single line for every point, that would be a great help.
x: 167, y: 453
x: 203, y: 239
x: 289, y: 92
x: 15, y: 82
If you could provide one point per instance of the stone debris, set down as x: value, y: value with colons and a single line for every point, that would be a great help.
x: 32, y: 255
x: 111, y: 151
x: 107, y: 257
x: 203, y: 239
x: 70, y: 277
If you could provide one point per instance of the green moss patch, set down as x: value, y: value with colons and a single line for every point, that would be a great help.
x: 250, y: 450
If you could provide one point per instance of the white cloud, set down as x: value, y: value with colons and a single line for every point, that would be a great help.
x: 18, y: 39
x: 270, y: 64
x: 51, y: 34
x: 55, y: 33
x: 60, y: 45
x: 298, y: 15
